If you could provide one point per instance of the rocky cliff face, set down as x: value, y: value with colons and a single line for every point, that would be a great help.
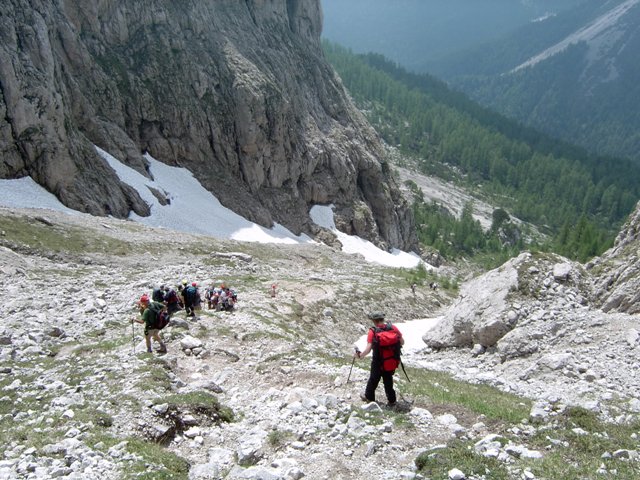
x: 238, y: 92
x: 617, y: 271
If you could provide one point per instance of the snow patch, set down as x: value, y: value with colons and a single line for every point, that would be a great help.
x: 323, y: 216
x: 193, y: 209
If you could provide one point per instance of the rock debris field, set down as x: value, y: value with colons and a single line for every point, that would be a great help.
x: 80, y: 398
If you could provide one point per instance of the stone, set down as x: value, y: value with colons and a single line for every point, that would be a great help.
x: 517, y: 343
x: 479, y: 316
x: 204, y: 471
x: 189, y: 343
x: 562, y: 271
x: 455, y: 474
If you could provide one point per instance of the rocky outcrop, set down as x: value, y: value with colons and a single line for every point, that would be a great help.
x: 507, y: 308
x: 238, y: 92
x: 617, y: 271
x: 480, y: 313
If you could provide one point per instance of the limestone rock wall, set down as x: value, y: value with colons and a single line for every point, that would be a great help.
x: 237, y: 91
x: 617, y: 272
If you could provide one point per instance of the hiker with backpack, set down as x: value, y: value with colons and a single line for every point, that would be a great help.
x: 190, y: 296
x: 385, y: 341
x: 157, y: 295
x: 227, y: 299
x: 171, y: 300
x: 154, y: 317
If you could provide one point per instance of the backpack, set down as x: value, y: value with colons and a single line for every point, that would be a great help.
x: 161, y: 315
x: 190, y: 294
x: 386, y: 340
x: 171, y: 297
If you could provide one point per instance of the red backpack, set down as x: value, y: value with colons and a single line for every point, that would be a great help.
x: 387, y: 340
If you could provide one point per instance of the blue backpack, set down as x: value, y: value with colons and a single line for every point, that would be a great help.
x: 190, y: 293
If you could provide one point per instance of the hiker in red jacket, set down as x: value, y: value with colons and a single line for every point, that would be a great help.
x: 385, y: 341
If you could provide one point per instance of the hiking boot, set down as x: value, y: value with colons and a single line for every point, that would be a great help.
x: 364, y: 398
x: 162, y: 349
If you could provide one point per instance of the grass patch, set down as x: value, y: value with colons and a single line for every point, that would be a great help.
x: 156, y: 462
x: 34, y: 234
x: 169, y: 465
x: 253, y: 336
x: 403, y: 278
x: 576, y: 455
x: 201, y: 401
x: 103, y: 346
x: 441, y: 388
x: 461, y: 455
x: 153, y: 376
x: 278, y: 438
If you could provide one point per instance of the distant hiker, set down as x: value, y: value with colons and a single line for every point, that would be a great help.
x: 385, y: 341
x: 197, y: 301
x: 433, y: 286
x: 158, y: 294
x: 150, y: 316
x: 211, y: 296
x: 413, y: 289
x: 189, y: 296
x: 273, y: 290
x: 227, y: 299
x: 171, y: 300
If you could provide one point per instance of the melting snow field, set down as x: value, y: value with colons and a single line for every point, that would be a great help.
x: 412, y: 332
x: 193, y: 209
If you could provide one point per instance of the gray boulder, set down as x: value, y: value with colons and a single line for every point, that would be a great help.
x: 481, y: 313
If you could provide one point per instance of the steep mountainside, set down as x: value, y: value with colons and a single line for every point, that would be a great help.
x: 573, y: 76
x: 415, y: 33
x: 567, y: 68
x: 237, y: 92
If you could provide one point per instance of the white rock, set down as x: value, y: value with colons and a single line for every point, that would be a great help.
x: 561, y: 271
x: 456, y: 474
x: 193, y: 432
x: 189, y: 343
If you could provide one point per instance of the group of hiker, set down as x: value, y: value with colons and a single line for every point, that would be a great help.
x: 156, y: 311
x: 384, y: 340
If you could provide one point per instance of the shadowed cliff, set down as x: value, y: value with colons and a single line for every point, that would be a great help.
x: 238, y: 92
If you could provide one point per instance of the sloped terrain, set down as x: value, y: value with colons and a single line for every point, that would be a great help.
x: 262, y: 392
x: 76, y: 384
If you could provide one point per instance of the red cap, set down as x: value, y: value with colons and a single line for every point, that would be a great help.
x: 144, y: 298
x: 194, y: 284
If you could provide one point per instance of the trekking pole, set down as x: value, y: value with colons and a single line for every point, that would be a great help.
x: 405, y: 372
x: 133, y: 338
x: 352, y: 362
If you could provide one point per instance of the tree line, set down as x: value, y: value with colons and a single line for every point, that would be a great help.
x: 548, y: 183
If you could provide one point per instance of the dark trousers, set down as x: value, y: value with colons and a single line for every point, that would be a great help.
x: 374, y: 379
x: 173, y: 308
